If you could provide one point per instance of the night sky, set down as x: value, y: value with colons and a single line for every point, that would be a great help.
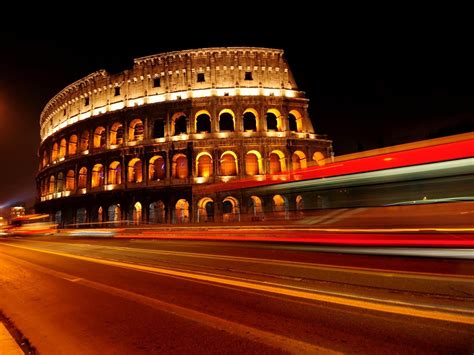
x: 367, y: 88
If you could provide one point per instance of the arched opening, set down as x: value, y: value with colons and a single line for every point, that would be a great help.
x: 81, y: 216
x: 250, y: 120
x: 179, y: 168
x: 45, y: 158
x: 114, y: 175
x: 55, y: 151
x: 116, y: 134
x: 179, y: 123
x: 84, y: 145
x: 97, y: 175
x: 295, y: 121
x: 273, y: 120
x: 135, y: 171
x: 82, y: 180
x: 182, y: 211
x: 275, y: 166
x: 156, y: 168
x: 292, y: 123
x: 159, y: 129
x: 298, y: 160
x: 62, y: 148
x: 60, y: 183
x: 45, y: 186
x: 256, y: 207
x: 114, y: 213
x: 203, y: 121
x: 135, y: 130
x: 228, y: 164
x: 205, y: 212
x: 100, y: 215
x: 137, y: 213
x: 299, y: 203
x: 157, y: 212
x: 99, y: 137
x: 226, y: 120
x: 204, y: 164
x: 280, y: 204
x: 230, y: 209
x: 70, y: 180
x: 253, y: 163
x: 227, y: 207
x: 318, y: 157
x: 72, y: 148
x: 277, y: 162
x: 52, y: 184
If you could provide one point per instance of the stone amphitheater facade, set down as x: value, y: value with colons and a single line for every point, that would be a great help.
x: 132, y: 146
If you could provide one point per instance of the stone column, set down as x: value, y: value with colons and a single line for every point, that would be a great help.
x: 146, y: 169
x: 167, y: 158
x: 216, y: 163
x: 107, y: 137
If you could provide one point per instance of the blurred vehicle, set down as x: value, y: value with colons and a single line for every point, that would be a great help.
x: 420, y: 173
x: 32, y: 224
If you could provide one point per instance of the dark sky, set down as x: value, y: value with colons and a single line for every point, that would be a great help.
x: 367, y: 88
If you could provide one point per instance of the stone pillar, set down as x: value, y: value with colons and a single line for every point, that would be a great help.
x: 146, y: 168
x: 194, y: 172
x: 76, y: 178
x: 189, y: 155
x: 125, y: 132
x: 284, y: 119
x: 218, y: 208
x: 188, y: 72
x: 216, y: 163
x: 107, y: 137
x: 124, y: 170
x: 168, y: 125
x: 89, y: 177
x: 106, y: 174
x: 263, y: 119
x: 214, y: 118
x: 146, y: 131
x: 166, y: 157
x: 241, y: 162
x: 192, y: 122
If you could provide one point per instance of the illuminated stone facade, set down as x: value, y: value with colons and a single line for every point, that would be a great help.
x: 131, y: 146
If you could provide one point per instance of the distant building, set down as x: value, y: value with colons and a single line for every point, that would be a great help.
x: 134, y: 145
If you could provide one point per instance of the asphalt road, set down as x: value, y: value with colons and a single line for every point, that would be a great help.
x: 103, y: 296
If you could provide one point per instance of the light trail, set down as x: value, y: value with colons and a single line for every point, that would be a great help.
x: 324, y: 236
x: 292, y: 264
x: 465, y: 316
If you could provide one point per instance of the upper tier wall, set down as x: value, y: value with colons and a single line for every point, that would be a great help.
x: 229, y: 71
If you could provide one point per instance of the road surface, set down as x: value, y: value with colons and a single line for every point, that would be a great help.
x: 103, y: 296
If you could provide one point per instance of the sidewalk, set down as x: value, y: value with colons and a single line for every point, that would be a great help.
x: 8, y: 345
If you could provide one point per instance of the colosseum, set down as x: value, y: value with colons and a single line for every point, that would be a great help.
x: 134, y: 146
